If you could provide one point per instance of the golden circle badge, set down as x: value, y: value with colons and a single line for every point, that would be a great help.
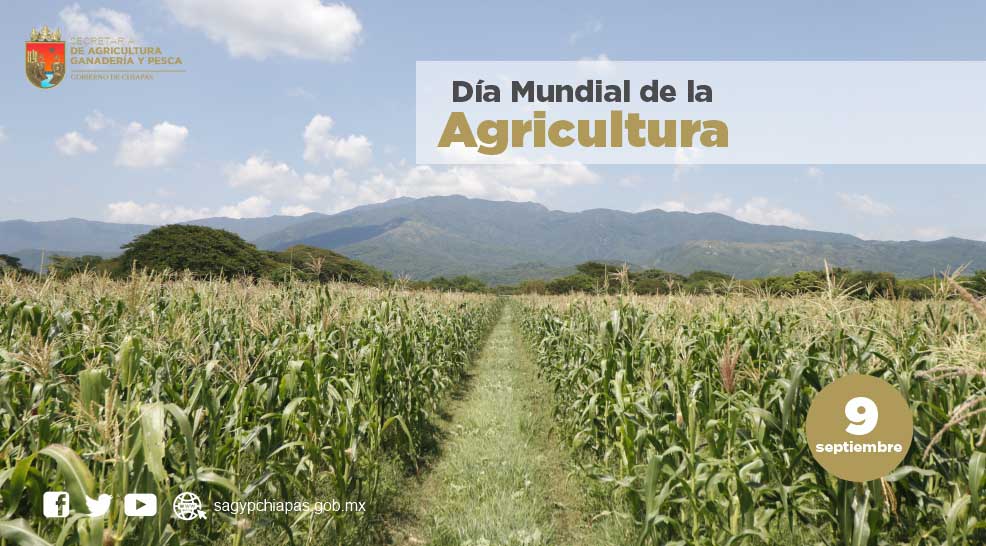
x: 859, y: 428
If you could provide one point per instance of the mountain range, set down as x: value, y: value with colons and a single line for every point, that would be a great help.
x: 504, y: 241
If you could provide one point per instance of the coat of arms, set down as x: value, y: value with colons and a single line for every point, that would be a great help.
x: 45, y: 58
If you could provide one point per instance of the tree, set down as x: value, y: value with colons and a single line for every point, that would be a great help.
x: 205, y: 252
x: 978, y: 282
x: 9, y: 262
x: 12, y: 263
x: 916, y: 289
x: 579, y: 282
x: 462, y: 283
x: 702, y: 282
x: 867, y: 284
x: 596, y: 269
x: 65, y: 266
x: 656, y: 281
x: 318, y: 264
x: 532, y: 286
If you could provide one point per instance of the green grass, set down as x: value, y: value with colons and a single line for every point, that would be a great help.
x: 502, y: 477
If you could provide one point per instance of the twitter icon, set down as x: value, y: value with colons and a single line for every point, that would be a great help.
x: 98, y: 506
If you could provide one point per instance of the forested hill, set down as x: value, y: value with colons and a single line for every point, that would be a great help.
x: 454, y: 235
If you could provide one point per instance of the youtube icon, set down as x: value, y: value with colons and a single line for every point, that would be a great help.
x: 140, y: 505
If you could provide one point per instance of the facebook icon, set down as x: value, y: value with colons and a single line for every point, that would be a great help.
x: 55, y: 504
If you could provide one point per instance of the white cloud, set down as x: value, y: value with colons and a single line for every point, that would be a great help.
x: 263, y: 28
x: 321, y: 144
x: 759, y: 211
x: 865, y: 204
x: 718, y: 203
x: 73, y: 143
x: 600, y: 64
x: 152, y: 213
x: 130, y: 212
x: 930, y: 233
x: 469, y: 181
x: 155, y: 147
x: 100, y: 22
x: 251, y: 207
x: 815, y: 172
x: 297, y: 193
x: 296, y: 210
x: 601, y: 58
x: 3, y: 135
x: 277, y: 179
x: 684, y: 159
x: 300, y: 93
x: 591, y: 27
x: 276, y: 182
x: 673, y: 206
x: 96, y: 121
x: 521, y: 182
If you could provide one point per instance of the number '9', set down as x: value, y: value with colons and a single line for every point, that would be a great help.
x: 862, y: 415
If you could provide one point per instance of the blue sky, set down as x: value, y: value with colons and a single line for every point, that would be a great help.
x: 304, y: 106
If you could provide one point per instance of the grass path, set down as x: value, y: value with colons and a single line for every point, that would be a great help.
x: 501, y: 478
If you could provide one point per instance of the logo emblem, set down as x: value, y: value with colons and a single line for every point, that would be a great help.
x: 44, y: 61
x: 55, y: 504
x: 140, y: 505
x: 187, y: 506
x: 98, y: 506
x: 859, y: 428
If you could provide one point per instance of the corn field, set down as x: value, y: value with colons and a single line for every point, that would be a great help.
x: 690, y: 412
x: 233, y: 391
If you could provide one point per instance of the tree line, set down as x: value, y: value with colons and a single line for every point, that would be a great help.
x: 598, y: 277
x: 212, y: 253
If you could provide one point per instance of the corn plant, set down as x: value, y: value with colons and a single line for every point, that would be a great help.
x: 692, y: 410
x: 232, y: 390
